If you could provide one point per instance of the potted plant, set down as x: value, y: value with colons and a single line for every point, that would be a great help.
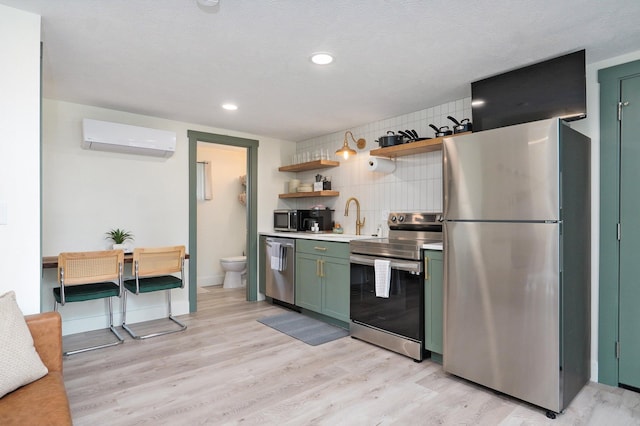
x: 119, y: 237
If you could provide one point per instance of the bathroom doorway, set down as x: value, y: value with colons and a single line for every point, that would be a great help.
x: 221, y: 203
x: 250, y: 148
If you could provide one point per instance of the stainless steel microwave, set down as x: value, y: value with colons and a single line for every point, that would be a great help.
x: 286, y: 220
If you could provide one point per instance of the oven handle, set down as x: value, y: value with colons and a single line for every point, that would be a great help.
x: 402, y: 265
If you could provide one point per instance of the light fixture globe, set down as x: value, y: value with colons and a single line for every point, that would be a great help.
x: 321, y: 58
x: 345, y: 150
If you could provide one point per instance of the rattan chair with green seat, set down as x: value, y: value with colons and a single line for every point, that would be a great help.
x: 153, y: 269
x: 89, y: 276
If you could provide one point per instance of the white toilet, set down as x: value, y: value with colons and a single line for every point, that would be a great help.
x: 235, y: 268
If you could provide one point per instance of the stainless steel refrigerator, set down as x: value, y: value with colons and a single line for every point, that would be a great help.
x: 517, y: 260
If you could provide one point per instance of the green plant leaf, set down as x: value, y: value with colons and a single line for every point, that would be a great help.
x: 119, y: 236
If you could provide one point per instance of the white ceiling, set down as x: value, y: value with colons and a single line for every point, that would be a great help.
x: 172, y: 59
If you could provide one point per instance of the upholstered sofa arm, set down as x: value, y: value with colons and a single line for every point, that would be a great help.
x: 46, y: 329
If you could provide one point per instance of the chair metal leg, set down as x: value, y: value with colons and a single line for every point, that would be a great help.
x: 124, y: 307
x: 171, y: 314
x: 111, y: 327
x: 159, y: 333
x: 104, y: 345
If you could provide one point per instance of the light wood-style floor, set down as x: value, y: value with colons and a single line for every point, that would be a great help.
x: 227, y: 368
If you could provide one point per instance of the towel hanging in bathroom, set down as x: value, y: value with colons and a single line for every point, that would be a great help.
x: 203, y: 181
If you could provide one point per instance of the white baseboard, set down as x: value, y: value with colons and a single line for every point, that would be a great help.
x: 594, y: 371
x: 210, y: 280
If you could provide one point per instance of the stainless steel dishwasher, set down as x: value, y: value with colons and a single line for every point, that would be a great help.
x: 280, y: 269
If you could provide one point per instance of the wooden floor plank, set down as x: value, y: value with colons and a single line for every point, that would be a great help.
x: 227, y: 368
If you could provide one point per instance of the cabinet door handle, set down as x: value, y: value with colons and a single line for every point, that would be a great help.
x: 426, y: 268
x: 320, y: 248
x: 322, y: 269
x: 317, y: 267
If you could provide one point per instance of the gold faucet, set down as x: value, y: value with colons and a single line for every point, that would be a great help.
x: 359, y: 224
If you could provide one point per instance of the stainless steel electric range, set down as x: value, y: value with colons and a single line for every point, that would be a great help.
x: 395, y: 322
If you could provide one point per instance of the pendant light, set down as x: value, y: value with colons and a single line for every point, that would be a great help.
x: 345, y: 151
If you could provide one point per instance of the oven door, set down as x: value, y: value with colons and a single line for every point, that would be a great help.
x: 403, y: 312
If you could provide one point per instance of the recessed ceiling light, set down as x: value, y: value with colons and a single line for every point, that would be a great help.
x: 230, y: 107
x: 321, y: 58
x: 477, y: 103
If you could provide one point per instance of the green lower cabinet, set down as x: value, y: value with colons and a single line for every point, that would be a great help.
x: 322, y: 278
x: 308, y: 282
x: 335, y: 297
x: 433, y: 303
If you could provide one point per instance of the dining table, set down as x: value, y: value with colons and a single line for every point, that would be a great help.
x: 51, y: 262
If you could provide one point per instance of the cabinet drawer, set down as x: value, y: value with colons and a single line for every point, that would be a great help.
x: 323, y: 248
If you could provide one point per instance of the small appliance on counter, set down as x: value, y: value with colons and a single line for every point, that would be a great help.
x: 286, y: 220
x: 296, y: 220
x: 317, y: 220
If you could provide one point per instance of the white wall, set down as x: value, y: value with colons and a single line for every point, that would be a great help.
x: 20, y: 156
x: 271, y: 182
x: 85, y: 193
x: 415, y: 185
x: 222, y: 221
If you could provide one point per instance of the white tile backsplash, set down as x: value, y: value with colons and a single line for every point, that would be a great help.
x: 415, y: 185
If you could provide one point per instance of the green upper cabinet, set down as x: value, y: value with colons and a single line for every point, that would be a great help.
x: 322, y: 277
x: 433, y: 302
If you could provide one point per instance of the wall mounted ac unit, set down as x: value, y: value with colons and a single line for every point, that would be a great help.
x: 115, y: 137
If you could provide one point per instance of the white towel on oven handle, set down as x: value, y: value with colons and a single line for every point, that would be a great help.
x: 382, y: 269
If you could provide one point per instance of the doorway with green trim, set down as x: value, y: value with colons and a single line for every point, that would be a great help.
x: 251, y: 205
x: 619, y: 294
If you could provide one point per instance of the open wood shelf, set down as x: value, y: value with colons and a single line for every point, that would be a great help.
x: 411, y: 148
x: 310, y: 165
x: 310, y: 194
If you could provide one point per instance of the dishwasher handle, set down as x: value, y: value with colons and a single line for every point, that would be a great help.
x: 290, y: 245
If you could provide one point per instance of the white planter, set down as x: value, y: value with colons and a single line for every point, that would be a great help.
x: 124, y: 247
